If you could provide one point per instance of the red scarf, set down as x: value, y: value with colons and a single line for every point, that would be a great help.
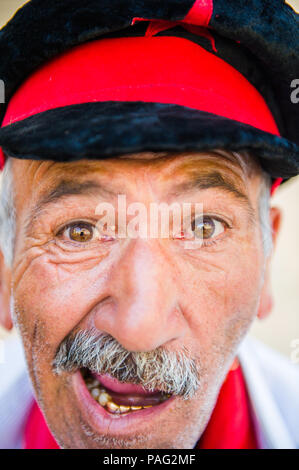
x: 230, y: 426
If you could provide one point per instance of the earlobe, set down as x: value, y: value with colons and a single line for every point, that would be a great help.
x: 5, y: 277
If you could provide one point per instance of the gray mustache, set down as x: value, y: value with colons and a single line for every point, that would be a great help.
x: 168, y: 371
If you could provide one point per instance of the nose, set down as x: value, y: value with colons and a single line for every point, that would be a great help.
x: 142, y: 311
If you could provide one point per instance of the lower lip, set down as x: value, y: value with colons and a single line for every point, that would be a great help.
x: 99, y: 418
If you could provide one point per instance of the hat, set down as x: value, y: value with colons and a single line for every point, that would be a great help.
x: 99, y: 78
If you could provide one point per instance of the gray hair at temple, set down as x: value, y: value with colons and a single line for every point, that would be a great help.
x: 8, y: 213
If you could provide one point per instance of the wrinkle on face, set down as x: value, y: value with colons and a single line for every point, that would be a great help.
x: 61, y: 290
x: 187, y: 165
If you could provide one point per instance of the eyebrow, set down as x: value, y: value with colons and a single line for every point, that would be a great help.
x: 63, y: 189
x: 214, y: 180
x: 67, y: 188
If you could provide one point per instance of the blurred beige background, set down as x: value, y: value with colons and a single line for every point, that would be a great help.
x: 282, y: 327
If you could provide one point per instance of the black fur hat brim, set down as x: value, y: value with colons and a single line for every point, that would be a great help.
x: 108, y: 129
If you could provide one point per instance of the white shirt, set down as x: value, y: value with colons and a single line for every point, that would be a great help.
x: 272, y: 384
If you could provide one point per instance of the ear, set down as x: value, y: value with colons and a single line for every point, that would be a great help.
x: 266, y: 299
x: 5, y: 282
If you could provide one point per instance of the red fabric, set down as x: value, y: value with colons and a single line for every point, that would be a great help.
x: 275, y: 185
x: 152, y: 69
x: 201, y: 13
x: 37, y: 434
x: 230, y: 426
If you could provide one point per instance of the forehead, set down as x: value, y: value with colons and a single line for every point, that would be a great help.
x: 166, y: 170
x: 181, y: 161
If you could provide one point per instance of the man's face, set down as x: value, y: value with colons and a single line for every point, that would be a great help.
x: 146, y: 293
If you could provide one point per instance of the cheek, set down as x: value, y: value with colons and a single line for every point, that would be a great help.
x: 57, y: 297
x: 220, y: 297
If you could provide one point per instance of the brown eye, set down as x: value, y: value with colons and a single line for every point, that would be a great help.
x: 206, y: 227
x: 80, y: 232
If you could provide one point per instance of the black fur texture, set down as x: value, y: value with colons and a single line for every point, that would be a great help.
x: 270, y: 30
x: 109, y: 129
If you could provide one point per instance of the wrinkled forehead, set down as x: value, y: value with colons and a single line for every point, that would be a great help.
x: 167, y: 170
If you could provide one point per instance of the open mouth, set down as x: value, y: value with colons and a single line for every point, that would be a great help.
x: 121, y: 398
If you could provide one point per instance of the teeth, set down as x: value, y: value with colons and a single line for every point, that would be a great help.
x: 124, y: 409
x: 105, y: 400
x: 95, y: 392
x: 91, y: 383
x: 94, y: 387
x: 113, y: 407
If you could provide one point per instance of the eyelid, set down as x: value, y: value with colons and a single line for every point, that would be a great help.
x: 201, y: 218
x: 73, y: 222
x: 217, y: 217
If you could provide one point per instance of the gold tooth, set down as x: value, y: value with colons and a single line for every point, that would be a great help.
x: 135, y: 408
x: 113, y: 407
x: 148, y: 406
x: 124, y: 409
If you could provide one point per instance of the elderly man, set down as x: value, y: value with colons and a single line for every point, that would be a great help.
x: 131, y: 323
